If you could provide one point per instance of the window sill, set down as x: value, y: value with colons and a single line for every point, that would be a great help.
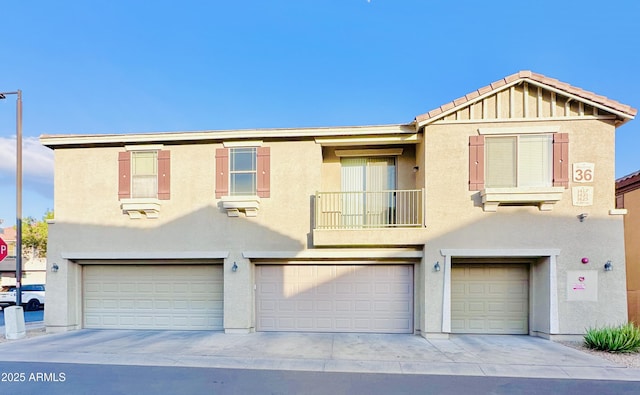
x: 137, y: 207
x: 543, y: 197
x: 234, y: 204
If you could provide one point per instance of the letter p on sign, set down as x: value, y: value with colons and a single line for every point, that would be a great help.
x: 4, y: 250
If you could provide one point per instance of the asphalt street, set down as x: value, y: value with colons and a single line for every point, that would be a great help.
x: 71, y: 379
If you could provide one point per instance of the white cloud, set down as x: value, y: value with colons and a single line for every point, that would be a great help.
x: 37, y: 160
x: 37, y: 180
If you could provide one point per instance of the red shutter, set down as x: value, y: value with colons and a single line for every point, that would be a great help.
x: 620, y: 200
x: 164, y: 175
x: 124, y: 175
x: 561, y: 160
x: 264, y: 170
x: 222, y: 172
x: 476, y: 163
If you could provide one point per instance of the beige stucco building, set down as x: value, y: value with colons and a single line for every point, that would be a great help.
x: 494, y: 213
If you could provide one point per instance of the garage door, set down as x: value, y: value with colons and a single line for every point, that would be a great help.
x: 184, y: 297
x: 490, y: 298
x: 335, y: 298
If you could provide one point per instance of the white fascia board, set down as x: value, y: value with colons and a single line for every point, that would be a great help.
x: 475, y: 253
x: 373, y: 253
x: 519, y: 130
x: 369, y: 139
x: 52, y: 141
x: 80, y: 256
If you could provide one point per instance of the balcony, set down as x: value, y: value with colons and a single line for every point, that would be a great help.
x: 368, y: 218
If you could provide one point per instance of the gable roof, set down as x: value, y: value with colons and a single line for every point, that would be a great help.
x: 622, y: 111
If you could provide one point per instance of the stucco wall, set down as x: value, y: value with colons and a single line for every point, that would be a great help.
x: 455, y: 219
x: 89, y: 220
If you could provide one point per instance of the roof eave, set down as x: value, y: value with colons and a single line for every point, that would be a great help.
x: 58, y: 141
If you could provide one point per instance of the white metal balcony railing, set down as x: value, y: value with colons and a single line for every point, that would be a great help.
x: 383, y: 209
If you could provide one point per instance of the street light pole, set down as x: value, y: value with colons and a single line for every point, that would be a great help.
x: 18, y: 93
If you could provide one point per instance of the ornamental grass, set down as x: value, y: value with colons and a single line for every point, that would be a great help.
x: 622, y: 338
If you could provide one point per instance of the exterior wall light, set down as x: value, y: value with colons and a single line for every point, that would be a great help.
x: 436, y: 267
x: 54, y: 267
x: 608, y: 266
x: 234, y: 268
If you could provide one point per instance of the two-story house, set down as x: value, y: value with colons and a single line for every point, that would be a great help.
x: 494, y: 213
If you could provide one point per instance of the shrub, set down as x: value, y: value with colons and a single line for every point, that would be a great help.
x: 622, y: 338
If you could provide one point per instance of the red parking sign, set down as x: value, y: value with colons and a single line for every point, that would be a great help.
x: 4, y: 249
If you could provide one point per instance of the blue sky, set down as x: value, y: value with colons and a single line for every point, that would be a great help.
x: 132, y: 66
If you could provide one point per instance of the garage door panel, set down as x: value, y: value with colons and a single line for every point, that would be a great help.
x: 497, y: 307
x: 490, y: 298
x: 337, y: 298
x: 153, y: 297
x: 304, y: 306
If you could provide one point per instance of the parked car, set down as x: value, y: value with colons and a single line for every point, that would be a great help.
x: 32, y: 296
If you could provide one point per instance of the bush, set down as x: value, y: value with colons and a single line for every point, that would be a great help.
x: 622, y: 338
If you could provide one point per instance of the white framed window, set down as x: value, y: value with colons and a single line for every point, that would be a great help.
x: 519, y: 161
x: 144, y: 174
x: 243, y: 171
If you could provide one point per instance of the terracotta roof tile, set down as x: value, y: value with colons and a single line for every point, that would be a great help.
x: 498, y: 84
x: 472, y: 95
x: 512, y: 78
x: 527, y: 74
x: 447, y: 106
x: 460, y: 100
x: 483, y: 90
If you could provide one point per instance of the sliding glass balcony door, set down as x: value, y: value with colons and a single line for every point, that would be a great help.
x: 368, y: 186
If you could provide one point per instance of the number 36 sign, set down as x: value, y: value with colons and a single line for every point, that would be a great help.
x: 583, y: 172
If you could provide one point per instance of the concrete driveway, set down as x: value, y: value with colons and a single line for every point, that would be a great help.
x: 471, y: 355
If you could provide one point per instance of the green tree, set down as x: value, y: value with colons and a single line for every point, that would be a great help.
x: 34, y: 236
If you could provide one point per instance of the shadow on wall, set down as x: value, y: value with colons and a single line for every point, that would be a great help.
x: 206, y: 229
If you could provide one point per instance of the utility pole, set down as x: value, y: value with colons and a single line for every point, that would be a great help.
x: 18, y: 93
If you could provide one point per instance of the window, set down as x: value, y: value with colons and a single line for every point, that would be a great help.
x: 243, y: 171
x: 524, y: 169
x: 518, y: 161
x: 143, y: 180
x: 144, y: 174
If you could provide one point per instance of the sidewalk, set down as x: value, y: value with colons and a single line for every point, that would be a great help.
x: 469, y: 355
x: 32, y: 328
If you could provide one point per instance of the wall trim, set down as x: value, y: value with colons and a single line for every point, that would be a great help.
x: 519, y: 130
x: 145, y: 256
x: 481, y: 252
x: 375, y: 253
x: 144, y: 147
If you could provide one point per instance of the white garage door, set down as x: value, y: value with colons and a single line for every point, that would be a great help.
x: 181, y: 297
x: 490, y: 298
x: 335, y: 298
